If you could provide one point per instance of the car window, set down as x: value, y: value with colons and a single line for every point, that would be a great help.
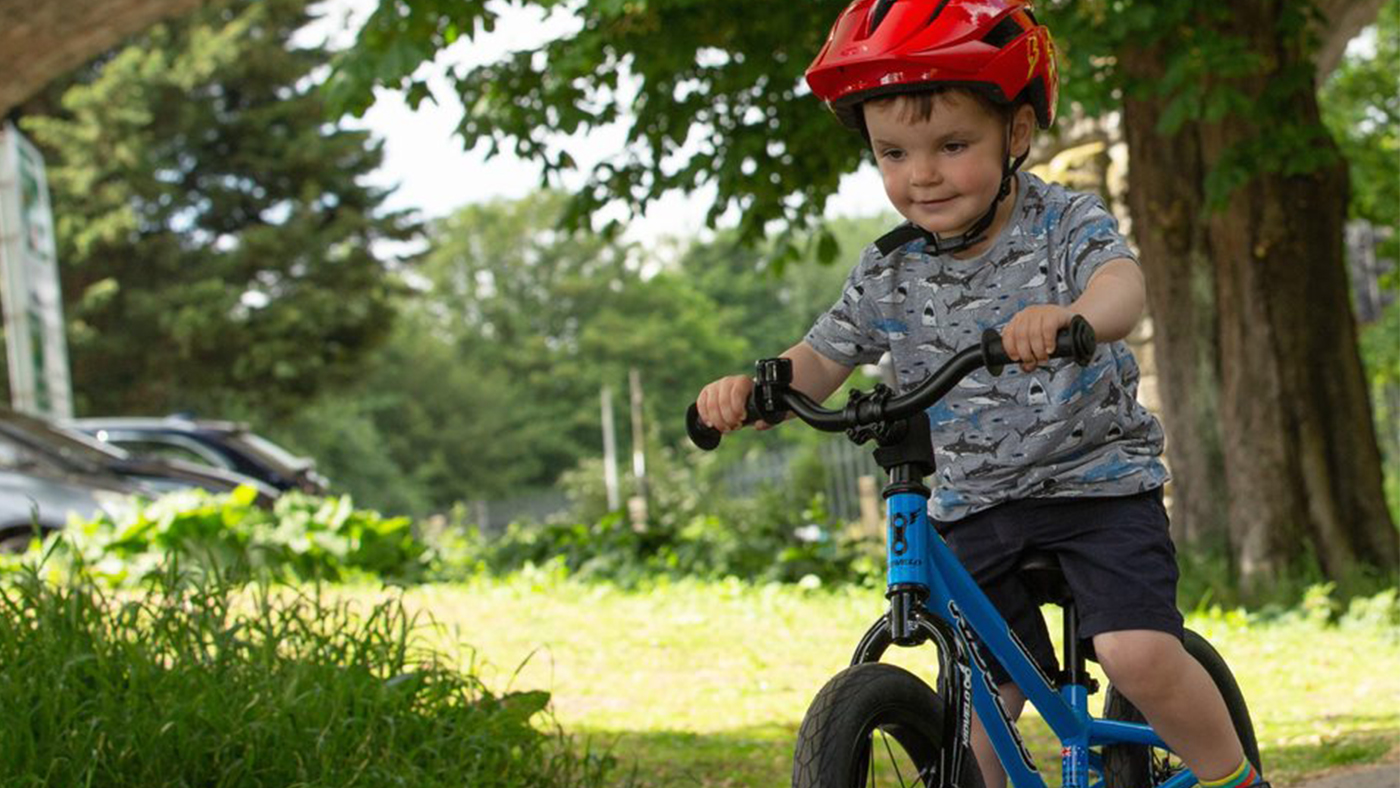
x: 166, y: 446
x: 163, y: 451
x: 275, y: 455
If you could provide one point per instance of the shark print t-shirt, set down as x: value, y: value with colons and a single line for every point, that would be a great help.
x: 1059, y: 431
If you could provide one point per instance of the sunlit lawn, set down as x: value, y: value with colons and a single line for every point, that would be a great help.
x: 705, y: 684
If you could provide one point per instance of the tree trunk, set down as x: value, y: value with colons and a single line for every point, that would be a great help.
x: 1165, y: 196
x: 1269, y: 428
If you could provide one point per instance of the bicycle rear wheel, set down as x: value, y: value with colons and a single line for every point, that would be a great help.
x: 873, y: 725
x: 1140, y: 766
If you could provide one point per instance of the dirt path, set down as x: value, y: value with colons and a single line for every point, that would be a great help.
x: 1382, y: 775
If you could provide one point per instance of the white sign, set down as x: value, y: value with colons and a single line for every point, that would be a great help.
x: 29, y: 291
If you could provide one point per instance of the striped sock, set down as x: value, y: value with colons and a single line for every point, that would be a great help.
x: 1245, y: 775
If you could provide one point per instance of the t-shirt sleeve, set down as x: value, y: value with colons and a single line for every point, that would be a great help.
x: 846, y: 333
x: 1091, y: 239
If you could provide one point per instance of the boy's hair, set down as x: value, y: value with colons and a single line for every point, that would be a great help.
x: 917, y: 105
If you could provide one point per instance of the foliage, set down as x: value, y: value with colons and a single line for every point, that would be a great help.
x: 1361, y: 105
x: 232, y: 537
x: 216, y: 245
x: 430, y: 422
x: 711, y: 94
x: 490, y: 381
x: 693, y: 529
x: 1380, y: 350
x: 1214, y: 65
x: 200, y: 685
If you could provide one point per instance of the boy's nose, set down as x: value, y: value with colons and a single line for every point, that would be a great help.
x: 924, y: 173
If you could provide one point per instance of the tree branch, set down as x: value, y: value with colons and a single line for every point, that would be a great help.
x: 1345, y: 19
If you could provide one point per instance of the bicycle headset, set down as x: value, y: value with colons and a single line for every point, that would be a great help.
x: 890, y: 47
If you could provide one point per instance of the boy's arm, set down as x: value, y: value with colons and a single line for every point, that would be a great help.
x: 1112, y: 303
x: 1114, y: 300
x: 814, y: 374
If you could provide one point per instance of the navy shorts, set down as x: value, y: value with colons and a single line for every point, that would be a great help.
x: 1116, y: 552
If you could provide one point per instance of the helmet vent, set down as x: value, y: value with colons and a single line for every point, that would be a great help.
x: 878, y: 14
x: 1006, y: 31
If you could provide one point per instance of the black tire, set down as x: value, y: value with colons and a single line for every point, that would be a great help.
x: 1139, y: 766
x: 872, y: 708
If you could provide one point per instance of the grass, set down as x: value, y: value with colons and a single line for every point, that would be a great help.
x: 705, y: 684
x: 696, y: 684
x: 203, y: 686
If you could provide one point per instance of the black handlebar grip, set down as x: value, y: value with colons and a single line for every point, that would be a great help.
x: 701, y: 434
x: 1075, y: 341
x: 706, y: 437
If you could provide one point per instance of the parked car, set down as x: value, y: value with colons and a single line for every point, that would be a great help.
x: 39, y: 493
x: 48, y: 472
x: 220, y: 444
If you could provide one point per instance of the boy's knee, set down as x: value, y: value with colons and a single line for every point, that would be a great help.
x: 1137, y: 659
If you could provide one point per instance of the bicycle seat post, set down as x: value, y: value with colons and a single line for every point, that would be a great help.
x: 1042, y: 574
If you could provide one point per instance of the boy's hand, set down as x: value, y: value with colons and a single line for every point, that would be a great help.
x: 722, y: 403
x: 1030, y: 336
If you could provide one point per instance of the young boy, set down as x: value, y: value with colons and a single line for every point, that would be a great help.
x: 947, y: 93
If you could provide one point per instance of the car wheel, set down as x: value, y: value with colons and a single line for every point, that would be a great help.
x: 16, y: 540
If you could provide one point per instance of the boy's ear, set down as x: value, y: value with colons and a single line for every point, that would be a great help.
x: 1022, y: 129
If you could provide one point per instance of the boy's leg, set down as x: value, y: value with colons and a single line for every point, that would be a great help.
x: 1120, y: 563
x: 1177, y: 697
x: 993, y: 775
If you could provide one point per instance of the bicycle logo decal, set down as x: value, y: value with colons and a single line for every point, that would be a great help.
x: 899, y: 542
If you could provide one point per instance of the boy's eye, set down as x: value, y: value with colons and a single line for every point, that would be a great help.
x: 892, y: 153
x: 955, y: 147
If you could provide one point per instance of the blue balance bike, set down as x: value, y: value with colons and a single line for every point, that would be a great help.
x: 877, y: 724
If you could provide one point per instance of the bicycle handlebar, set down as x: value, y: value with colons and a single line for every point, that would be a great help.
x: 771, y: 396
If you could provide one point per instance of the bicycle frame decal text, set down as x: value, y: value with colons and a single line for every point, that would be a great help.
x: 966, y: 705
x: 968, y: 636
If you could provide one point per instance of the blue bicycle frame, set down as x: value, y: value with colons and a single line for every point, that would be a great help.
x: 931, y: 595
x: 920, y: 559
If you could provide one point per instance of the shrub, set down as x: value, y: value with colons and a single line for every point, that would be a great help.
x: 300, y: 538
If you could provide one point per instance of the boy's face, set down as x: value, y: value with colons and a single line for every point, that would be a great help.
x: 942, y: 173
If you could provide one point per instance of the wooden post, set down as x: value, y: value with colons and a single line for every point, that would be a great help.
x: 870, y: 519
x: 637, y: 506
x: 610, y: 453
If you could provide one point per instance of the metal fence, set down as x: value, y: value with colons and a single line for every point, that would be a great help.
x: 842, y: 464
x: 494, y: 516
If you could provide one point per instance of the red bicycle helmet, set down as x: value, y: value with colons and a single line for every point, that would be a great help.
x: 883, y: 47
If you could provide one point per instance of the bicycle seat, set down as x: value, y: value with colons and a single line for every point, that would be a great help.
x: 1040, y: 570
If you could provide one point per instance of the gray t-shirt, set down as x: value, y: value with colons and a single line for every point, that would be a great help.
x: 1060, y: 431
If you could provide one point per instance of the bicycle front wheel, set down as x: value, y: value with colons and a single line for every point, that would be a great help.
x: 872, y: 725
x: 1137, y: 766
